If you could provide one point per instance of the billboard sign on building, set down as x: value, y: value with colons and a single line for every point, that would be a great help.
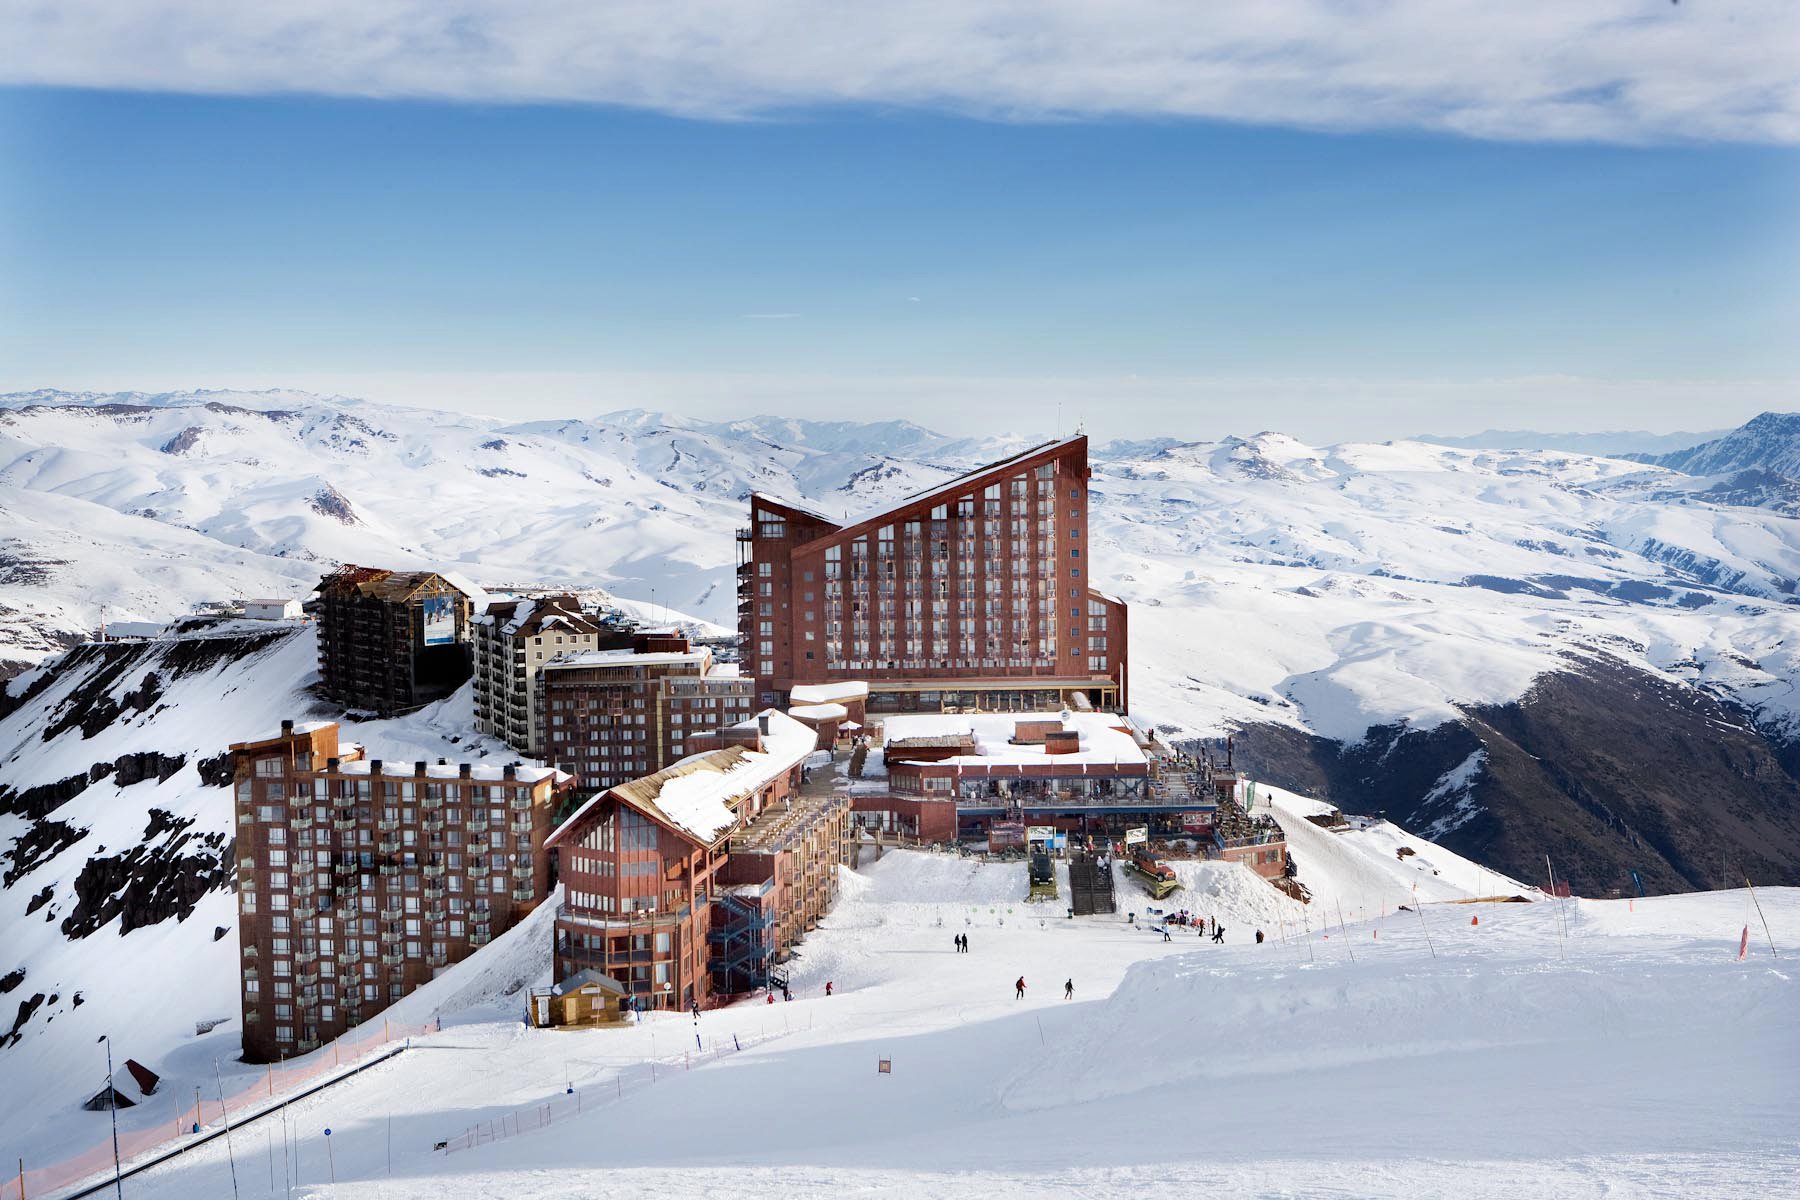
x: 440, y: 620
x: 1137, y: 835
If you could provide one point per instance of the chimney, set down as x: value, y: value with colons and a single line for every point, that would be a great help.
x: 762, y: 724
x: 509, y: 771
x: 419, y: 767
x: 287, y: 728
x: 462, y: 771
x: 331, y: 764
x: 374, y: 766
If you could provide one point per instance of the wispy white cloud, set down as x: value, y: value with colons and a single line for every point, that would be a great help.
x: 770, y: 316
x: 1609, y: 70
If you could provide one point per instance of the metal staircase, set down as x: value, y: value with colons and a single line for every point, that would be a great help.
x: 743, y: 945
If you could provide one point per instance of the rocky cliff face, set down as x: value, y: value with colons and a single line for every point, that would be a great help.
x: 115, y: 810
x: 1606, y: 769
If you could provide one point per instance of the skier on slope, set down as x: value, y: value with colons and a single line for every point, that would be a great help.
x: 1069, y: 989
x: 1218, y: 932
x: 1019, y: 989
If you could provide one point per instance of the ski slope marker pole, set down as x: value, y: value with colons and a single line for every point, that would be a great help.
x: 1760, y: 917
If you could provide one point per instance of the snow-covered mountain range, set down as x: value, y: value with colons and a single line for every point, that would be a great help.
x: 1511, y: 652
x: 1424, y: 629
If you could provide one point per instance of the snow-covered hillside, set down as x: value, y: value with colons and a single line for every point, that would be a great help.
x: 1400, y: 1053
x: 1402, y: 602
x: 116, y: 838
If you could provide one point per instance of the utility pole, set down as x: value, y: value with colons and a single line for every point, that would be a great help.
x: 112, y: 1110
x: 230, y: 1155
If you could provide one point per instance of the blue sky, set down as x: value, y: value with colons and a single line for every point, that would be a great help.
x: 1142, y: 270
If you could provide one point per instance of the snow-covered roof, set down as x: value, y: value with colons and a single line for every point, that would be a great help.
x: 818, y: 712
x: 479, y: 772
x: 626, y: 658
x: 828, y: 693
x: 798, y: 507
x: 1103, y: 738
x: 478, y: 596
x: 700, y: 795
x: 271, y: 600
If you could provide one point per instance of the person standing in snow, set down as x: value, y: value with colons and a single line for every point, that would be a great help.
x: 1019, y: 989
x: 1068, y: 989
x: 1259, y: 937
x: 965, y: 943
x: 828, y: 987
x: 1218, y: 932
x: 1166, y: 936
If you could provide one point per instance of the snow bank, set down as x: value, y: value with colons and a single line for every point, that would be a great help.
x: 1242, y: 1018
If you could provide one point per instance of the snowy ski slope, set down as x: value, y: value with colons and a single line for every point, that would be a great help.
x: 1642, y: 1059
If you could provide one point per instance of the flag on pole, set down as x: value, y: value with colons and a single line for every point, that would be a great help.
x: 1744, y: 944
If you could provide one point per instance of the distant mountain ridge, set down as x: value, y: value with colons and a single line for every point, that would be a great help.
x: 1768, y: 442
x: 1621, y: 443
x: 1454, y: 606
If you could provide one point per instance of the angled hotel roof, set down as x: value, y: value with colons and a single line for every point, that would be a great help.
x: 950, y: 486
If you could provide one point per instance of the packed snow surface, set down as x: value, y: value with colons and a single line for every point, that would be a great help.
x: 1584, y: 1049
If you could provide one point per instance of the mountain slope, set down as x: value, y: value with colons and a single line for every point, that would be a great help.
x: 1768, y: 442
x: 1333, y: 598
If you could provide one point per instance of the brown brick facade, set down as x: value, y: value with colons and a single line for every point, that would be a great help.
x: 977, y: 593
x: 358, y: 880
x: 610, y: 716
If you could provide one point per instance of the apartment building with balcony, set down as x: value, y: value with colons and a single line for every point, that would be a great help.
x: 613, y: 715
x: 358, y: 880
x: 511, y: 642
x: 653, y: 866
x: 977, y: 594
x: 392, y: 641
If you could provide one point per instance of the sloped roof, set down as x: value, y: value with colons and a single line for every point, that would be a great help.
x: 586, y: 977
x: 395, y: 586
x: 699, y: 796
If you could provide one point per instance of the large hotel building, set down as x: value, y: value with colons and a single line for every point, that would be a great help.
x: 976, y: 594
x: 359, y: 880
